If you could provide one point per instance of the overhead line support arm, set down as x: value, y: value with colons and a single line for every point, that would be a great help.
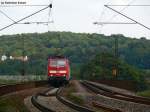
x: 127, y: 17
x: 49, y: 6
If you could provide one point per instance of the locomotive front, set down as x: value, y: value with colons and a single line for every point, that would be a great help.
x: 58, y: 71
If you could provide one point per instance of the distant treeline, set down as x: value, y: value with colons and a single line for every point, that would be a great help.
x: 102, y: 68
x: 79, y: 48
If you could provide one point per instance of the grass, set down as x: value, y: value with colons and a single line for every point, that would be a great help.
x: 7, y: 81
x: 71, y: 96
x: 69, y: 89
x: 12, y: 104
x: 144, y: 93
x: 17, y: 79
x: 76, y: 99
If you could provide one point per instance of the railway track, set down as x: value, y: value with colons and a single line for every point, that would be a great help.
x: 61, y: 99
x: 116, y: 95
x: 96, y: 104
x: 6, y: 89
x: 35, y: 102
x: 104, y: 107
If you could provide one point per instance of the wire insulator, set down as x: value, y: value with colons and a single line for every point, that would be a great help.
x: 50, y: 6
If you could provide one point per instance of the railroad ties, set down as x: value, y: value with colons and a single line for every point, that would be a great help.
x: 114, y: 97
x: 117, y: 95
x: 61, y: 99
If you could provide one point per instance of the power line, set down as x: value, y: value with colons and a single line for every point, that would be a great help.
x: 130, y: 5
x: 6, y: 16
x: 37, y: 22
x: 127, y: 17
x: 102, y: 23
x: 102, y: 14
x: 49, y: 6
x: 22, y: 5
x: 27, y: 22
x: 126, y: 6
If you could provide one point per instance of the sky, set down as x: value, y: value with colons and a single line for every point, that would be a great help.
x: 78, y: 16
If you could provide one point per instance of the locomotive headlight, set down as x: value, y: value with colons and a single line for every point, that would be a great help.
x: 63, y: 71
x: 52, y: 71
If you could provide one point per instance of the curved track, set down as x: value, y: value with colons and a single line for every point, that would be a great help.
x: 116, y: 95
x: 35, y: 102
x: 70, y: 104
x: 42, y: 108
x: 96, y: 104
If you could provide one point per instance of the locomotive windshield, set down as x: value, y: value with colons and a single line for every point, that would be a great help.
x: 57, y: 63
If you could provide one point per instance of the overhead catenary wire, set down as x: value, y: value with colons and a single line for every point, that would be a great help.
x: 22, y: 5
x: 101, y: 16
x: 126, y: 6
x: 28, y: 22
x: 103, y: 12
x: 102, y: 23
x: 49, y: 6
x: 131, y: 5
x: 37, y: 22
x: 7, y: 16
x: 127, y: 17
x: 107, y: 22
x: 18, y: 22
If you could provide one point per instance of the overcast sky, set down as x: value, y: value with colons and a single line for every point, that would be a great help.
x: 78, y: 16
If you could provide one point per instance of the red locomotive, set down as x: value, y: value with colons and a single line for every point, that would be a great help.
x: 58, y: 71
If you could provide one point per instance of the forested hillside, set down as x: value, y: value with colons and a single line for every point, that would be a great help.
x: 101, y: 67
x: 79, y: 48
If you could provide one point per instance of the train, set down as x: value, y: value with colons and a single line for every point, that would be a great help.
x: 58, y: 71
